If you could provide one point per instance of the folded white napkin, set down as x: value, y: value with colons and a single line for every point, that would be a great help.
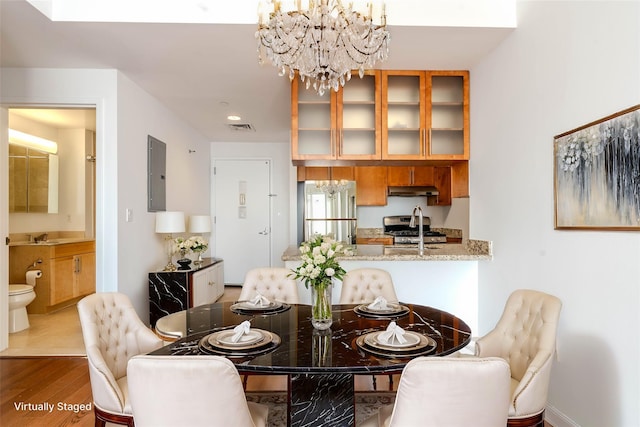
x: 393, y: 334
x: 240, y: 330
x: 260, y: 301
x: 380, y: 303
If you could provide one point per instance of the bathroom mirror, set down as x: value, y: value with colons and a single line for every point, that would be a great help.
x: 33, y: 180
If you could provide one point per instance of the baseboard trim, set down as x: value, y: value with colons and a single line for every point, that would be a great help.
x: 557, y: 419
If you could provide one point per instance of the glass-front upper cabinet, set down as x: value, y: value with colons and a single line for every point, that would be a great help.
x: 357, y: 114
x: 403, y: 115
x: 312, y: 123
x: 448, y: 115
x: 337, y: 125
x: 425, y: 115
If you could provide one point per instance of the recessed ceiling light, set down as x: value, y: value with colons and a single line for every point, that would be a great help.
x: 234, y: 118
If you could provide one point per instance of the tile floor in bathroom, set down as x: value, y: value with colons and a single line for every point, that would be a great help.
x: 59, y: 333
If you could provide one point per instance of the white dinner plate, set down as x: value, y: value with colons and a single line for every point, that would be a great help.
x: 426, y: 346
x: 412, y: 339
x: 248, y: 305
x: 391, y: 311
x: 391, y: 308
x: 252, y: 337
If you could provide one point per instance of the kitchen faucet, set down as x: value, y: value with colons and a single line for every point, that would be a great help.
x: 412, y: 224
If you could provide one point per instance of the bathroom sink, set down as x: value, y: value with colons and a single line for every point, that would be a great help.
x: 42, y: 242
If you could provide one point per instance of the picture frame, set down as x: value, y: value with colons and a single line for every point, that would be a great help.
x: 597, y: 174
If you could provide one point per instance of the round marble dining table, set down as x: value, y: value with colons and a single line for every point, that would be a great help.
x: 321, y: 364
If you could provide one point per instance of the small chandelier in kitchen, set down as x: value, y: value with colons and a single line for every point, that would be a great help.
x: 331, y: 187
x: 322, y: 40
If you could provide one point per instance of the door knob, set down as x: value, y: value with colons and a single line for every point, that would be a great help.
x: 264, y: 232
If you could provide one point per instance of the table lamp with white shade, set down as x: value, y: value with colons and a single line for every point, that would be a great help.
x: 200, y: 224
x: 168, y: 223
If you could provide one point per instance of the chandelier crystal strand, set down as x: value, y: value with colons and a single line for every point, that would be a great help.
x: 323, y: 41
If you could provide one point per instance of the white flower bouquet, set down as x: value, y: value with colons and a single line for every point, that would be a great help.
x: 319, y: 264
x: 318, y: 268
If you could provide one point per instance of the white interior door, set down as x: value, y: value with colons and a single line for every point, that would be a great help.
x: 242, y: 210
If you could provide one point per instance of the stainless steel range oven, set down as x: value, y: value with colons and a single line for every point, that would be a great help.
x: 399, y: 227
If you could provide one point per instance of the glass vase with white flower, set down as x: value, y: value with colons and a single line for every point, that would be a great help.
x: 198, y: 246
x: 318, y: 269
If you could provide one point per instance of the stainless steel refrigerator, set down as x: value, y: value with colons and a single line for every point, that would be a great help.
x: 330, y: 209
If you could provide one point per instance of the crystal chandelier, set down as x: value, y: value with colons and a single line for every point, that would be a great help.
x: 322, y: 39
x: 331, y: 187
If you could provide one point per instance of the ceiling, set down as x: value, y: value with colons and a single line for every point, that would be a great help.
x: 205, y: 72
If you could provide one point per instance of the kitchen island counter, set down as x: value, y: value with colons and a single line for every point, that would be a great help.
x: 470, y: 250
x: 445, y: 277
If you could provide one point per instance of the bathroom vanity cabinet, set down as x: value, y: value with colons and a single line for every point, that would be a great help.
x: 173, y: 291
x: 68, y: 272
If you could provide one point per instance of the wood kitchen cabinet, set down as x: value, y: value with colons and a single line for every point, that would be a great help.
x: 173, y: 291
x: 447, y: 115
x: 410, y: 175
x: 341, y: 125
x: 425, y: 115
x: 315, y: 173
x: 371, y: 185
x: 385, y: 240
x: 451, y: 181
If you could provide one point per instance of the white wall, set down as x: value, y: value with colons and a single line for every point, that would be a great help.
x: 281, y: 173
x: 141, y: 250
x: 567, y: 64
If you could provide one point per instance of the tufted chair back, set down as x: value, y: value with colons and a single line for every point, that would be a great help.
x: 525, y: 336
x: 271, y: 282
x: 451, y: 392
x: 113, y: 333
x: 192, y: 391
x: 365, y: 284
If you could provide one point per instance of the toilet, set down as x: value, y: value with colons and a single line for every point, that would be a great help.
x: 21, y: 295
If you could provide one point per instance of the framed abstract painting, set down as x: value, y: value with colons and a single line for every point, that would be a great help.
x: 597, y: 174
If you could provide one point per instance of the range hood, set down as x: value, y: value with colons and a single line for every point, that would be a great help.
x: 406, y: 191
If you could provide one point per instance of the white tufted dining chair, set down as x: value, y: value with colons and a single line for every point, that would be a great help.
x: 365, y: 284
x: 525, y: 336
x: 273, y: 283
x: 451, y: 392
x: 190, y: 391
x: 112, y: 333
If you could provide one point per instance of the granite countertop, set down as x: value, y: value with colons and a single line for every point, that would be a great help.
x: 470, y: 250
x: 52, y: 242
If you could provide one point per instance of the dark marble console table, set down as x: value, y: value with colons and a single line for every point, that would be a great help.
x: 173, y: 291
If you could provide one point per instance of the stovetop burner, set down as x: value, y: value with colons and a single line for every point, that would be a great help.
x: 398, y: 227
